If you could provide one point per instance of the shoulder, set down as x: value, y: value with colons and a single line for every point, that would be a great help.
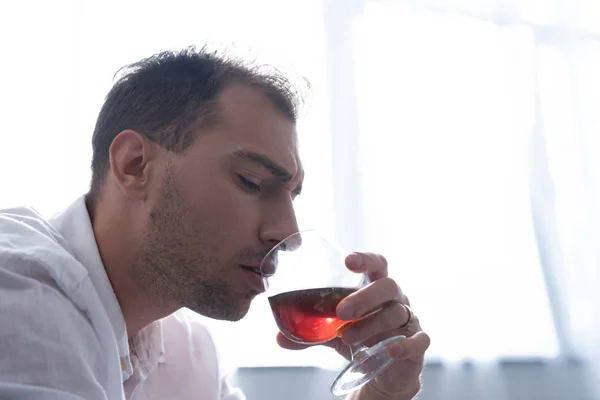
x: 25, y: 222
x: 55, y: 313
x: 46, y: 328
x: 49, y: 342
x: 33, y: 250
x: 35, y: 271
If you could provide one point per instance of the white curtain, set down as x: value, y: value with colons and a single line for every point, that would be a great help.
x: 459, y: 138
x: 479, y: 139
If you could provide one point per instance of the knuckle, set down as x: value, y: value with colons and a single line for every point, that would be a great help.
x: 389, y: 284
x: 426, y: 340
x: 382, y: 260
x: 377, y: 260
x: 416, y: 321
x: 417, y: 324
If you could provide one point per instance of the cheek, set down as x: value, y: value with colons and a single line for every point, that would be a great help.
x: 227, y: 207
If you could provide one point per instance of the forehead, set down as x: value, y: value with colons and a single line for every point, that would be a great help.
x: 248, y: 120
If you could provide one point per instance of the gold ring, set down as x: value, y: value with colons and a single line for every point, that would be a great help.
x: 411, y: 316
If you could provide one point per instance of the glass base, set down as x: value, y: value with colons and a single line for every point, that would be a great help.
x: 366, y: 365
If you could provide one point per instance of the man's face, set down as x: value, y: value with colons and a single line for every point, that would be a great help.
x: 221, y: 207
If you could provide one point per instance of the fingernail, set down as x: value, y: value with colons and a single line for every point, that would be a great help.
x: 355, y: 260
x: 345, y: 311
x: 396, y: 349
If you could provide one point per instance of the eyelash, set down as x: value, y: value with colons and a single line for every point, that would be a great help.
x: 250, y: 186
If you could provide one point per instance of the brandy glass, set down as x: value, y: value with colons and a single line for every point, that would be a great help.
x: 305, y: 278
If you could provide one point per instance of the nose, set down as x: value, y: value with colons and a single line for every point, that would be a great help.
x: 269, y: 264
x: 281, y: 223
x: 274, y: 233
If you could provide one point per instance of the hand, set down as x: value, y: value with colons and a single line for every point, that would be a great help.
x: 402, y: 379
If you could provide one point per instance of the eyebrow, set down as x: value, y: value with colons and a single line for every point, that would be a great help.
x: 264, y: 161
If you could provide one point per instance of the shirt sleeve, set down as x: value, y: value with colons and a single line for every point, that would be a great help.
x: 48, y: 347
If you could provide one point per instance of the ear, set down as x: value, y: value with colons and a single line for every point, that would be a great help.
x: 132, y: 159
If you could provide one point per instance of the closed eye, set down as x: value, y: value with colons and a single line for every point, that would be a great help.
x: 249, y: 185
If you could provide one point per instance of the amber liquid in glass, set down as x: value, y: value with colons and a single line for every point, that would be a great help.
x: 308, y: 316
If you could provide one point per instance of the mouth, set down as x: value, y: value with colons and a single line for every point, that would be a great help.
x: 255, y: 270
x: 254, y: 278
x: 268, y: 269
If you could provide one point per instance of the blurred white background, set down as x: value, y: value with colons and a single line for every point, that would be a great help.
x: 459, y: 138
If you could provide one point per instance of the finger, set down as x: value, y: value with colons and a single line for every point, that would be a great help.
x: 391, y: 317
x: 401, y: 380
x: 335, y: 344
x: 286, y: 343
x: 374, y: 265
x: 340, y: 347
x: 412, y: 348
x: 369, y: 299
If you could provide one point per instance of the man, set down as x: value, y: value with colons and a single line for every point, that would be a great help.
x: 194, y: 172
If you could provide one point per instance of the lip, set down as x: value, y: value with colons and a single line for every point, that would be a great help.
x: 268, y: 268
x: 253, y: 280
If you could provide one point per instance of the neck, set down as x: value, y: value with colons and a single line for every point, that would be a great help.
x: 119, y: 241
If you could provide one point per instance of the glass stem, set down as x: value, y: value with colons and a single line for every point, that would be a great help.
x: 359, y: 352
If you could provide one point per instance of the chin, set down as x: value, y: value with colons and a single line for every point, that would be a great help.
x: 233, y: 311
x: 239, y: 310
x: 230, y: 315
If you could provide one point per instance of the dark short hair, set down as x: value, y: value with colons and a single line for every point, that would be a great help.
x: 170, y: 96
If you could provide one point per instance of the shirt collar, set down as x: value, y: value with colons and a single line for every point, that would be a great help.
x: 147, y: 349
x: 75, y: 226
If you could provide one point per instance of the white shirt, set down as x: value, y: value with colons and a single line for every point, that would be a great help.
x: 62, y: 333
